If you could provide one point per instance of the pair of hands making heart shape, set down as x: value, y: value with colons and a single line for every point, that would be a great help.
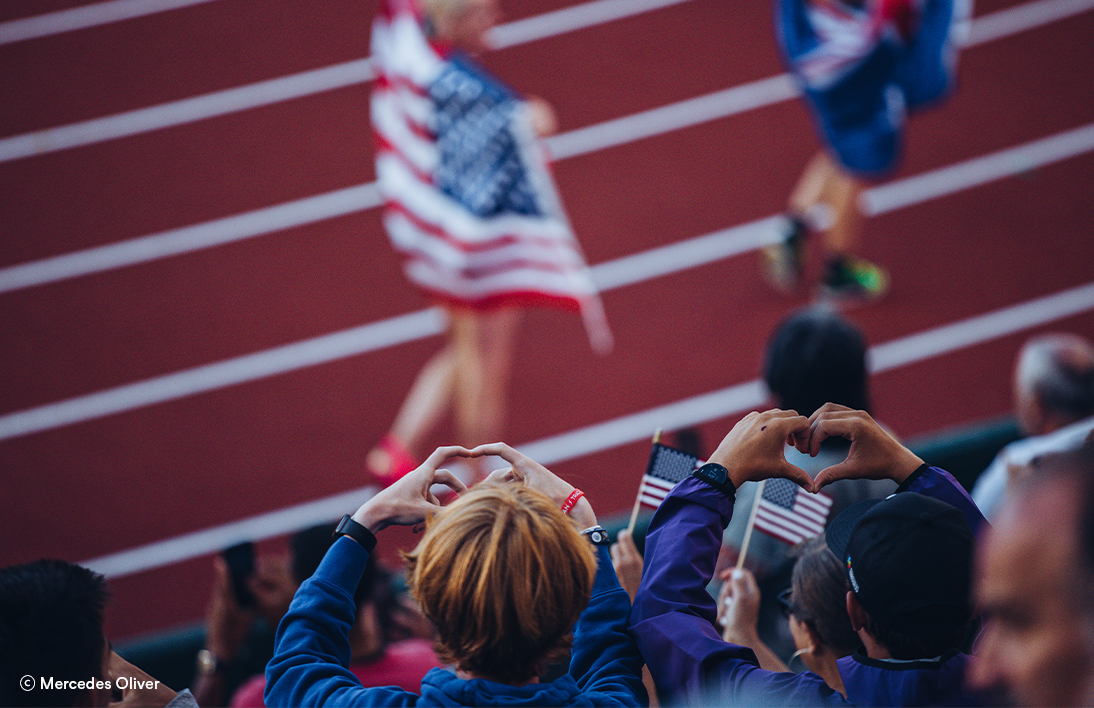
x: 410, y: 500
x: 753, y: 449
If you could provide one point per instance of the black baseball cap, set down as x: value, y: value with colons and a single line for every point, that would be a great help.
x: 909, y: 560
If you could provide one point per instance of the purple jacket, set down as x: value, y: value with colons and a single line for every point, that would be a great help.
x: 673, y: 618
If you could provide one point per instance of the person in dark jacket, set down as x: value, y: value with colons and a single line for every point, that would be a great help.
x: 908, y: 560
x: 504, y: 572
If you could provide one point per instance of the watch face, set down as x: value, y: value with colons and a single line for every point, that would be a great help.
x: 598, y: 537
x: 713, y: 472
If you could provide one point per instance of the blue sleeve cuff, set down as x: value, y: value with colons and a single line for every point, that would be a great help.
x: 344, y: 564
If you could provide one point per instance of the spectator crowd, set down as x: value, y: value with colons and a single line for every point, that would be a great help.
x: 515, y: 595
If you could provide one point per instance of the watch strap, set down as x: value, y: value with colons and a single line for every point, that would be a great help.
x: 716, y: 476
x: 348, y: 527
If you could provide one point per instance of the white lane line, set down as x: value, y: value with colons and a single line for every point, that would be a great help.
x: 675, y: 116
x: 627, y: 270
x: 189, y: 110
x: 609, y: 434
x: 341, y: 202
x: 570, y: 19
x: 1020, y: 18
x: 173, y: 242
x: 270, y: 525
x: 229, y: 372
x: 976, y: 171
x: 530, y: 29
x: 286, y: 88
x: 101, y: 13
x: 981, y: 328
x: 767, y: 91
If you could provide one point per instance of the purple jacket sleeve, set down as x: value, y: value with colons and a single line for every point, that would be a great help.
x: 673, y: 618
x: 937, y: 483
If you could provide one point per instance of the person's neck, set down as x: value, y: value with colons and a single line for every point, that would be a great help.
x: 823, y: 664
x: 874, y: 649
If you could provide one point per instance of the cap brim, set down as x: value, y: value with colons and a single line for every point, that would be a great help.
x: 838, y: 533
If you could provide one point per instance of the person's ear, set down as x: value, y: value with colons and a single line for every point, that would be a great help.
x: 855, y: 612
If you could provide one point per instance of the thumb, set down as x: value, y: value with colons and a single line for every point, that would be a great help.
x: 831, y: 474
x: 796, y: 475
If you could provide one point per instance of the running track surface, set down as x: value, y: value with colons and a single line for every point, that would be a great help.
x: 90, y: 486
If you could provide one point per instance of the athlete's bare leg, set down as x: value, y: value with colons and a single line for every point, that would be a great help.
x: 483, y: 343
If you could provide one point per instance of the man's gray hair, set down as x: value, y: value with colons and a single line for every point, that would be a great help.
x: 1059, y: 370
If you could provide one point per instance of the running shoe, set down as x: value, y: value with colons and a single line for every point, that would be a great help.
x: 850, y: 279
x: 784, y: 262
x: 390, y: 461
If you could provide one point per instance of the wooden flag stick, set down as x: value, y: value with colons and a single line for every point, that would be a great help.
x: 634, y: 514
x: 751, y: 524
x: 638, y: 497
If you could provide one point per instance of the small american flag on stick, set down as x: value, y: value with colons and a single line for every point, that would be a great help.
x: 789, y: 513
x: 667, y: 466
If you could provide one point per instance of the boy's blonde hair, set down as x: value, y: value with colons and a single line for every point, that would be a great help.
x: 504, y: 575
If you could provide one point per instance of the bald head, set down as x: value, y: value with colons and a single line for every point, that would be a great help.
x: 1054, y: 382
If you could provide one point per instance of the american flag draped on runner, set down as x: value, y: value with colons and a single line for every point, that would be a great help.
x: 470, y: 203
x: 789, y: 513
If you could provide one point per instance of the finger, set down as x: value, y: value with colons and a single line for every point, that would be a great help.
x: 827, y: 408
x: 795, y: 474
x: 449, y: 480
x: 748, y: 582
x: 831, y: 474
x: 499, y: 448
x: 116, y: 666
x: 443, y: 453
x: 502, y: 476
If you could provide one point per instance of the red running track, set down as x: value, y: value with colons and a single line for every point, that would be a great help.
x: 96, y: 487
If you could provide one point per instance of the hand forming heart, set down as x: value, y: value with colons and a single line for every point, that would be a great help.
x: 753, y: 449
x: 409, y: 501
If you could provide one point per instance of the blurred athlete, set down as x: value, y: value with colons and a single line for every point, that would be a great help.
x: 472, y: 208
x: 862, y: 66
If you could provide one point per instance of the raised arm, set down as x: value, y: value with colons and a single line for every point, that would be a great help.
x: 312, y: 649
x: 673, y: 618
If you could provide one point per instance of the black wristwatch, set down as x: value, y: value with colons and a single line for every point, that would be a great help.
x: 597, y: 536
x: 348, y: 527
x: 716, y: 476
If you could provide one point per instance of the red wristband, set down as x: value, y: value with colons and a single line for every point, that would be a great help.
x: 571, y: 500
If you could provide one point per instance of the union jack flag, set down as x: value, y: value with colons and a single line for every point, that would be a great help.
x: 666, y: 467
x: 469, y: 201
x: 789, y: 513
